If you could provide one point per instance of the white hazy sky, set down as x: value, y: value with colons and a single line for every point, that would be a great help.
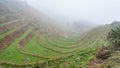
x: 97, y: 11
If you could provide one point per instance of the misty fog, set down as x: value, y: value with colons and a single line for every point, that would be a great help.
x: 92, y: 11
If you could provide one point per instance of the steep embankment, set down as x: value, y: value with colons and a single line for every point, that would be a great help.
x: 106, y: 56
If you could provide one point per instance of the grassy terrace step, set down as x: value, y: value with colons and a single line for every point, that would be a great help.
x: 84, y: 40
x: 68, y: 42
x: 70, y: 39
x: 78, y: 60
x: 12, y: 55
x: 80, y: 57
x: 11, y: 25
x: 11, y: 17
x: 23, y: 42
x: 8, y: 39
x: 8, y: 22
x: 56, y: 46
x: 83, y: 45
x: 2, y: 35
x: 8, y: 32
x: 48, y: 46
x: 5, y: 20
x: 80, y: 45
x: 64, y: 46
x: 65, y: 41
x: 17, y: 13
x: 33, y: 47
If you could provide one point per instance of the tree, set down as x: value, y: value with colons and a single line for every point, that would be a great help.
x: 114, y: 36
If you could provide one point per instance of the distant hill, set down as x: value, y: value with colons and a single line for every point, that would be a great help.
x: 16, y: 9
x: 83, y: 26
x: 115, y: 24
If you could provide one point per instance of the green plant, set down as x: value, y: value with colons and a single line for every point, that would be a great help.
x: 114, y: 36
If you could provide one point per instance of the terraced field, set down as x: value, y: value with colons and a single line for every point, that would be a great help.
x: 22, y: 45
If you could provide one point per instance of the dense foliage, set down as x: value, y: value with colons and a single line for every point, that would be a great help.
x: 114, y: 36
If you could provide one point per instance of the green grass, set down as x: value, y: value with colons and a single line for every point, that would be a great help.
x: 45, y: 47
x: 12, y: 54
x: 63, y: 45
x: 66, y: 41
x: 80, y: 57
x: 54, y: 48
x: 7, y: 23
x: 8, y: 32
x: 88, y: 45
x: 34, y: 47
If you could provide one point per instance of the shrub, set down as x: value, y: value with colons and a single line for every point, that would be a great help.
x: 102, y: 53
x: 114, y: 36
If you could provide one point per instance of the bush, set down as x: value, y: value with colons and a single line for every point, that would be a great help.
x: 102, y: 53
x: 114, y: 36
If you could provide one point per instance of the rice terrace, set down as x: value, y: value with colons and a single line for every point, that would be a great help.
x: 29, y: 38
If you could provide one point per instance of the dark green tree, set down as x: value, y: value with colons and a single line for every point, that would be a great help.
x: 114, y: 36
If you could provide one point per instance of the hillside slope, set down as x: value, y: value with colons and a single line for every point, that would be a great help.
x: 30, y: 39
x: 15, y: 10
x: 106, y: 56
